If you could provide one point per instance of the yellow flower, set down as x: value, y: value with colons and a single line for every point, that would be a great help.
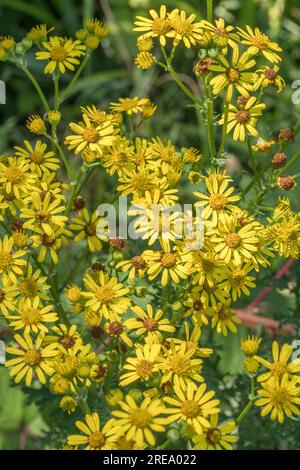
x: 234, y: 75
x: 243, y: 121
x: 194, y: 405
x: 251, y: 365
x: 221, y: 34
x: 258, y: 42
x: 90, y: 137
x: 216, y: 436
x: 180, y: 367
x: 7, y: 297
x: 280, y: 365
x: 31, y: 359
x: 87, y: 226
x: 38, y: 33
x: 31, y: 316
x: 68, y: 404
x: 184, y: 29
x: 144, y: 60
x: 139, y: 422
x: 16, y: 178
x: 219, y: 201
x: 269, y: 76
x: 11, y: 264
x: 143, y: 365
x: 285, y: 236
x: 250, y: 345
x: 48, y: 243
x: 54, y: 117
x: 165, y: 153
x: 196, y: 307
x: 106, y: 295
x: 280, y: 397
x: 149, y: 322
x: 38, y: 158
x: 144, y: 44
x: 167, y: 263
x: 94, y: 437
x: 135, y: 265
x: 224, y: 318
x: 93, y: 25
x: 129, y: 105
x: 61, y: 54
x: 191, y: 341
x: 116, y: 329
x: 158, y: 26
x: 118, y: 157
x: 44, y: 213
x: 63, y: 335
x: 263, y: 145
x: 36, y: 124
x: 207, y: 268
x: 235, y: 243
x: 139, y: 181
x: 236, y: 280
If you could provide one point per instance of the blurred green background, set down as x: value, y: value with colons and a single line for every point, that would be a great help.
x: 112, y: 74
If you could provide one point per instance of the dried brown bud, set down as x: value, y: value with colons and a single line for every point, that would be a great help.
x: 79, y: 203
x: 286, y: 182
x: 279, y: 159
x: 287, y: 135
x: 96, y: 332
x: 242, y: 101
x: 202, y: 67
x: 17, y: 225
x: 97, y: 267
x: 117, y: 243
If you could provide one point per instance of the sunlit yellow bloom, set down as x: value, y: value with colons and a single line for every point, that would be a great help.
x: 280, y: 397
x: 144, y: 60
x: 234, y: 75
x: 143, y: 365
x: 32, y: 359
x: 158, y: 25
x: 221, y: 34
x: 285, y: 236
x: 32, y: 317
x: 135, y: 265
x: 150, y: 322
x: 250, y: 345
x: 95, y: 437
x: 48, y: 243
x: 16, y: 177
x: 196, y: 307
x: 38, y: 157
x: 139, y: 421
x: 280, y: 365
x: 88, y: 227
x: 219, y: 201
x: 7, y: 297
x: 194, y: 405
x: 243, y: 121
x: 138, y: 181
x: 44, y: 213
x: 61, y: 53
x: 180, y: 367
x: 224, y: 318
x: 129, y: 105
x: 167, y: 263
x: 38, y: 33
x: 93, y: 25
x: 191, y: 341
x: 258, y: 42
x: 236, y: 280
x: 118, y: 157
x: 184, y: 29
x: 263, y: 145
x: 216, y: 436
x: 90, y: 137
x: 269, y: 76
x: 106, y: 295
x: 11, y: 264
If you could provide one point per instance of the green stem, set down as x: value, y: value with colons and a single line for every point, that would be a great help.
x: 224, y: 131
x: 72, y: 83
x: 209, y: 4
x: 62, y: 155
x: 210, y: 119
x: 184, y: 88
x: 37, y: 87
x: 249, y: 405
x: 54, y: 294
x: 253, y: 163
x: 56, y: 91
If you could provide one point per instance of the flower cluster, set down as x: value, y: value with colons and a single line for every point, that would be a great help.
x: 118, y: 330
